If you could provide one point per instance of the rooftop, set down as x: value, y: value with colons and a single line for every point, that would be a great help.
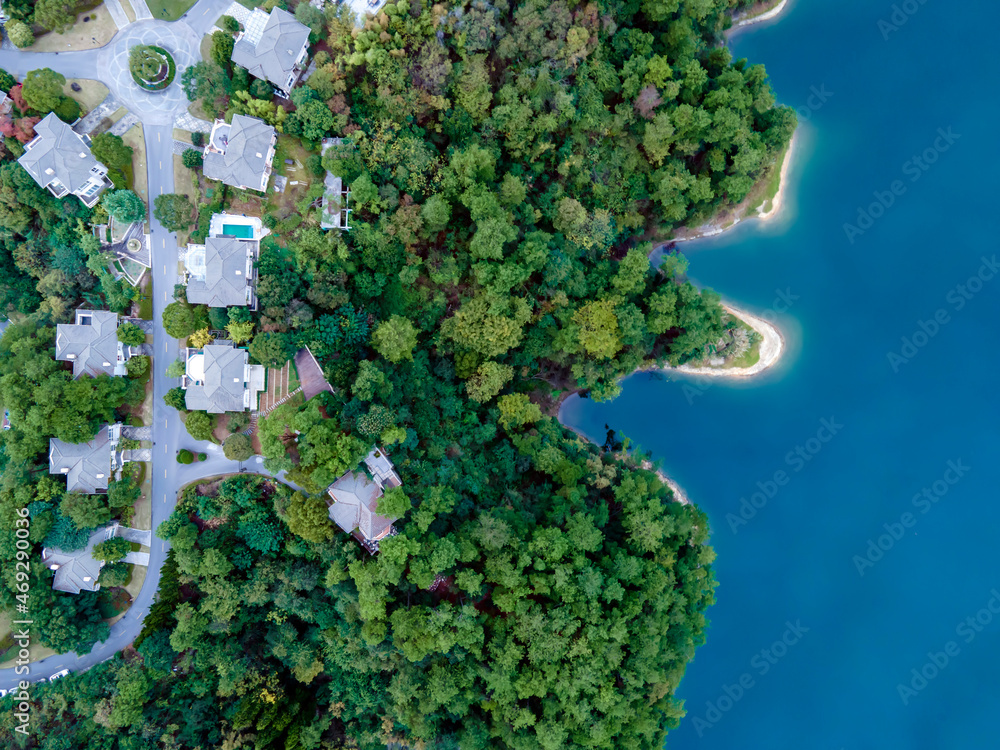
x: 91, y: 344
x: 241, y: 157
x: 271, y: 46
x: 77, y: 570
x: 59, y: 154
x: 221, y: 272
x: 219, y: 378
x: 355, y: 499
x: 86, y: 466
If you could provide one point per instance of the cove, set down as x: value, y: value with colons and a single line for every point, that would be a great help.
x: 857, y: 603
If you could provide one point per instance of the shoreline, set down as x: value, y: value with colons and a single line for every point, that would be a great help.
x: 679, y: 494
x: 711, y: 229
x: 778, y: 201
x: 771, y: 349
x: 767, y: 15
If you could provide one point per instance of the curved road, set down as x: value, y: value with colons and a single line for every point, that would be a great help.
x: 157, y: 113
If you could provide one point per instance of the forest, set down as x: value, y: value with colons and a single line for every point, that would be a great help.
x: 510, y: 167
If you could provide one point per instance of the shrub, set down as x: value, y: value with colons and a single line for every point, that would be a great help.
x: 20, y: 36
x: 200, y: 425
x: 67, y: 110
x: 198, y: 138
x: 174, y: 211
x: 229, y: 24
x: 192, y: 159
x: 238, y: 421
x: 184, y: 456
x: 202, y: 456
x: 114, y: 574
x: 176, y: 397
x: 237, y: 447
x: 124, y: 205
x: 176, y: 369
x: 137, y: 366
x: 112, y: 550
x: 131, y: 335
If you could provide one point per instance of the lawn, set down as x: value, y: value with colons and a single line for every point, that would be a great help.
x: 91, y: 93
x: 133, y: 137
x: 146, y: 298
x: 143, y: 518
x: 95, y: 31
x: 184, y: 185
x: 129, y: 10
x: 169, y: 10
x: 283, y: 204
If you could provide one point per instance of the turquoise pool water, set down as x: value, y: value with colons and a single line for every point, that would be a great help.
x: 244, y: 231
x: 857, y: 605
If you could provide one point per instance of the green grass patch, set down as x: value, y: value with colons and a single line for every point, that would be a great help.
x: 169, y: 10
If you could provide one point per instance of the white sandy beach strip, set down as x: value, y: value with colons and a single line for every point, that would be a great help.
x: 767, y: 16
x: 771, y: 348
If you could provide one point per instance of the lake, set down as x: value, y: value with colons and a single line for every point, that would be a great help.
x: 852, y: 489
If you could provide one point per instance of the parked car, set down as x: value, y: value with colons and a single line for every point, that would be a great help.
x: 3, y: 693
x: 59, y: 675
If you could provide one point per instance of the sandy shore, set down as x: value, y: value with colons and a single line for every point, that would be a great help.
x: 776, y: 11
x: 771, y: 348
x: 679, y: 494
x: 778, y: 201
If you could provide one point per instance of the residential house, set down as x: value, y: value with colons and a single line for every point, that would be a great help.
x: 354, y: 500
x: 220, y: 378
x: 91, y: 344
x: 87, y: 466
x: 60, y: 160
x: 77, y: 571
x: 222, y: 272
x: 273, y: 47
x: 240, y: 153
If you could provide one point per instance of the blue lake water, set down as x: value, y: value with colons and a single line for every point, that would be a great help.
x: 854, y: 637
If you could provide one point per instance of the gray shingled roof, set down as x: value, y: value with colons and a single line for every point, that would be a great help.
x: 76, y: 567
x: 355, y: 499
x: 273, y: 56
x: 86, y: 466
x: 224, y: 384
x: 90, y: 345
x: 62, y: 151
x: 240, y: 165
x: 226, y: 278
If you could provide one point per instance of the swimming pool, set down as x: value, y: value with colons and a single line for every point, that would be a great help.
x: 238, y: 230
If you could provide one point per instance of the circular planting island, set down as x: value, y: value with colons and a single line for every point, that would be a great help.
x: 133, y: 245
x: 152, y: 67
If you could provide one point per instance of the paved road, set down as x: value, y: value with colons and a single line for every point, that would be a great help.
x: 169, y: 434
